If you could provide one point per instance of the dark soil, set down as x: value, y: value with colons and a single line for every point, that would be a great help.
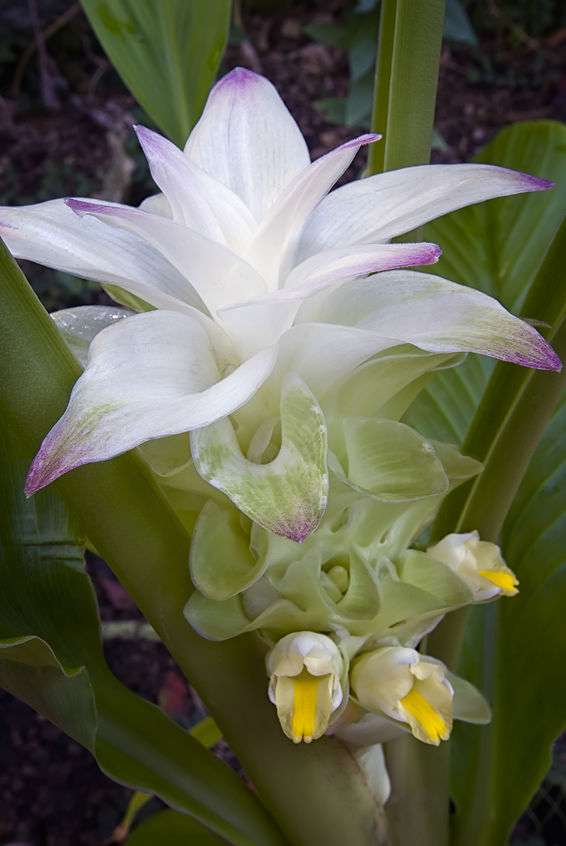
x: 65, y: 130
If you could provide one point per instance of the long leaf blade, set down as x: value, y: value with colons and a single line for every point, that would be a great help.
x: 167, y: 53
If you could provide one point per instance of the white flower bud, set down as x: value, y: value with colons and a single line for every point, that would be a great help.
x: 407, y: 687
x: 304, y: 670
x: 478, y: 563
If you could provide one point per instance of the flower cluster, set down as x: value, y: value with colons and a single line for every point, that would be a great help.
x: 272, y: 341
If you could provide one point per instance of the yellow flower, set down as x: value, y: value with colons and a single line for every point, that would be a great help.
x: 407, y: 687
x: 304, y: 670
x: 478, y: 563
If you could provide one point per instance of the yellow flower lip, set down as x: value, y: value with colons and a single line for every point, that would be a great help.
x: 304, y: 705
x: 431, y: 722
x: 505, y: 580
x: 304, y: 670
x: 303, y: 719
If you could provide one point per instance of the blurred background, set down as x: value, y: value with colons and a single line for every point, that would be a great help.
x: 65, y: 129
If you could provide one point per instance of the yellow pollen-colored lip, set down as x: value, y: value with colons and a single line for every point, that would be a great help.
x: 305, y: 700
x: 431, y: 722
x: 503, y: 579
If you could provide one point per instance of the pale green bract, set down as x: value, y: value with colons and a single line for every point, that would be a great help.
x: 265, y: 387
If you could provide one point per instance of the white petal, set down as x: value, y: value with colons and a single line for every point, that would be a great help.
x: 273, y: 250
x: 202, y: 203
x: 149, y: 376
x: 323, y: 353
x: 247, y: 140
x: 331, y: 266
x: 259, y: 323
x: 380, y: 207
x: 433, y: 314
x: 79, y: 326
x: 53, y: 235
x: 157, y: 204
x: 217, y: 274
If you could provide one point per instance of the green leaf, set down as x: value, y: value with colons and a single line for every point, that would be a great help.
x: 51, y: 657
x: 524, y: 642
x: 497, y: 247
x: 167, y: 53
x: 513, y: 647
x: 172, y: 829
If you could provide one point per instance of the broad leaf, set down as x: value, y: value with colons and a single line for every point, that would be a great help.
x: 172, y: 829
x: 167, y: 53
x: 496, y: 247
x: 512, y: 648
x: 51, y: 657
x: 514, y: 651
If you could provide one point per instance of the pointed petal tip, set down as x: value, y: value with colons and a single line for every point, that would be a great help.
x: 142, y: 131
x: 536, y: 183
x: 541, y: 357
x: 240, y: 74
x: 428, y: 253
x: 361, y: 140
x: 239, y: 78
x: 37, y: 477
x: 149, y: 139
x: 297, y: 530
x: 54, y: 458
x: 80, y: 207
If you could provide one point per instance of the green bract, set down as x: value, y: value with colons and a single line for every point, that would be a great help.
x: 355, y: 573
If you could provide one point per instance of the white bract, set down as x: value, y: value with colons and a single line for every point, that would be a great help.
x: 255, y: 271
x: 478, y: 563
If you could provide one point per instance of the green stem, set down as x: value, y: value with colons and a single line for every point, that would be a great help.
x: 410, y: 41
x: 418, y: 809
x: 407, y: 66
x: 376, y: 155
x: 316, y: 793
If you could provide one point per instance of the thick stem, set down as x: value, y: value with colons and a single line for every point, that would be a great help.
x: 376, y: 155
x: 413, y: 82
x: 418, y: 809
x: 407, y: 66
x: 316, y: 793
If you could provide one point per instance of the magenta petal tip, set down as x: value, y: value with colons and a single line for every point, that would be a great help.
x: 537, y: 183
x: 239, y: 78
x: 542, y: 357
x: 80, y: 207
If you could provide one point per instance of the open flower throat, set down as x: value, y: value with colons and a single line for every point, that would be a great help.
x: 274, y: 337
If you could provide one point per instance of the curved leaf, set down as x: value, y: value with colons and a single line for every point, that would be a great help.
x: 512, y: 648
x: 172, y: 829
x: 51, y: 657
x: 498, y: 247
x: 167, y: 53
